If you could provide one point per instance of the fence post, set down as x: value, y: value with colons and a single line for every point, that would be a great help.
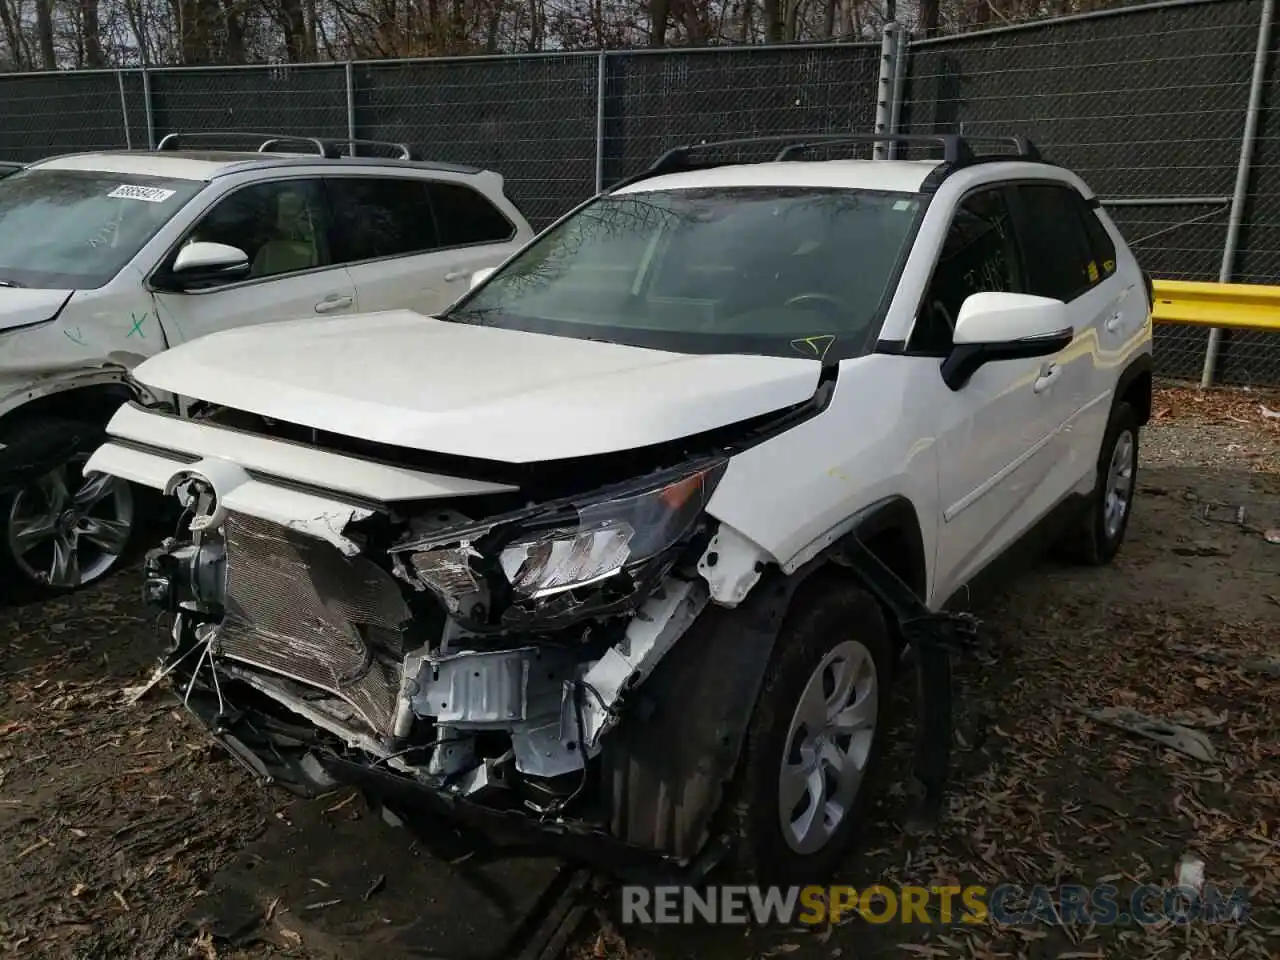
x: 884, y: 88
x: 124, y: 111
x: 899, y: 82
x: 602, y: 77
x: 146, y: 102
x: 1248, y: 139
x: 350, y: 72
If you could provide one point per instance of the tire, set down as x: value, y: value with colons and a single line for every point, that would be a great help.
x: 1097, y: 534
x: 833, y: 621
x: 98, y: 520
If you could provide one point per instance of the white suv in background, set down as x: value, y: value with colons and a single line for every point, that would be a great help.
x: 618, y: 550
x: 108, y: 258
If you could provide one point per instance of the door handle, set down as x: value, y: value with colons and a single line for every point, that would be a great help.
x: 453, y: 275
x: 1048, y: 373
x: 333, y: 303
x: 1113, y: 324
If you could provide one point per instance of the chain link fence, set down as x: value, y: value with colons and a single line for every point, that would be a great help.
x: 1147, y: 103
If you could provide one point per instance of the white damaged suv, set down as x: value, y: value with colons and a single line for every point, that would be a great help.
x: 618, y: 552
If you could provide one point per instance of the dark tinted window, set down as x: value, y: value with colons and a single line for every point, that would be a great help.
x: 381, y: 217
x: 1054, y: 242
x: 979, y: 255
x: 466, y: 217
x: 280, y: 225
x: 1101, y: 247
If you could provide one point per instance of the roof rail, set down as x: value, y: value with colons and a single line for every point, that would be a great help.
x: 958, y: 150
x: 331, y: 148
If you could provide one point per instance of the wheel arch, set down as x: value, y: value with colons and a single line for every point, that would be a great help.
x: 1135, y: 387
x: 667, y: 773
x: 92, y: 400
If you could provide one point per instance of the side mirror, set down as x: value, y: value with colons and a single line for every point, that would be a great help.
x: 1004, y: 326
x: 481, y: 275
x: 202, y: 263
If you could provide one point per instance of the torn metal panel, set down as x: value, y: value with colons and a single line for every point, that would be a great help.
x: 483, y: 688
x: 655, y: 628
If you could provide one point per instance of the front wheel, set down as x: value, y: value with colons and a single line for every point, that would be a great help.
x: 63, y: 530
x: 815, y: 738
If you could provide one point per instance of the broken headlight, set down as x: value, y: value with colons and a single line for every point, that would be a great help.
x: 564, y: 560
x: 608, y: 536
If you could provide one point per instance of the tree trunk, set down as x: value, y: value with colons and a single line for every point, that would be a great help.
x: 44, y: 30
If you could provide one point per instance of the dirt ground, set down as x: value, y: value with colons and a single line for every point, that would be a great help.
x: 127, y: 834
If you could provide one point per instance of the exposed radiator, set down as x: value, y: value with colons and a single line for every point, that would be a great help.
x: 296, y: 606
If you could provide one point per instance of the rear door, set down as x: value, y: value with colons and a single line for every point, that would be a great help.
x: 283, y: 227
x: 412, y: 243
x: 1069, y: 261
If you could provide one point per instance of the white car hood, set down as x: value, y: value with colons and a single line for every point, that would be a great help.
x: 412, y: 381
x: 20, y: 307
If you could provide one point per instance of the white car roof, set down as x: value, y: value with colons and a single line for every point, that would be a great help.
x: 205, y: 165
x: 178, y: 165
x: 905, y: 176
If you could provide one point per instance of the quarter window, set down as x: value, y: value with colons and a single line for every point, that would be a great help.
x: 465, y: 217
x: 280, y: 225
x: 979, y: 255
x: 378, y: 217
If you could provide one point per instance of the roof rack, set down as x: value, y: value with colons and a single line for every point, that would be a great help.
x: 330, y: 148
x: 958, y: 150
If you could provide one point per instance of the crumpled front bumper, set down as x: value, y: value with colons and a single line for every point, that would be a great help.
x: 310, y: 771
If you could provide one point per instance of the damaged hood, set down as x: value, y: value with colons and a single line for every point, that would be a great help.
x: 412, y: 381
x: 20, y: 307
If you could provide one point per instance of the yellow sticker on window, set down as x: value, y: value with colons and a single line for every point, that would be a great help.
x: 1093, y: 272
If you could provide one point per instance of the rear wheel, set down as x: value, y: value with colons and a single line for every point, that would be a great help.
x: 63, y: 530
x: 815, y: 738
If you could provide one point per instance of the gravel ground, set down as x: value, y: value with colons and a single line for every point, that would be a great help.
x: 128, y: 835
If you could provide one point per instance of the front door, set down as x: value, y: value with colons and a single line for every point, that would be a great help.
x: 283, y: 228
x: 996, y: 434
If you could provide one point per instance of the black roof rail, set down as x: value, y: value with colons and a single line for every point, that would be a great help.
x: 331, y: 148
x: 958, y: 150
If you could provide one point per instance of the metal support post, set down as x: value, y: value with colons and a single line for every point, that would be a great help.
x: 899, y: 82
x: 884, y: 87
x: 602, y: 77
x: 124, y: 111
x: 1241, y: 191
x: 351, y: 108
x: 146, y: 102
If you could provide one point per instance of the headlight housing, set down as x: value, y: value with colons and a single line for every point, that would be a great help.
x: 609, y: 536
x: 567, y: 560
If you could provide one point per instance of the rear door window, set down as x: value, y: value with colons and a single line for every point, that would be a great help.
x: 377, y: 217
x: 465, y: 217
x: 1059, y: 257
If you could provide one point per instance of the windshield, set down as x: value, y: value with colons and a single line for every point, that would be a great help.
x: 72, y: 229
x: 770, y: 270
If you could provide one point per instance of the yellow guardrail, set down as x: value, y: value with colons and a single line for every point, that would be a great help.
x: 1243, y: 306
